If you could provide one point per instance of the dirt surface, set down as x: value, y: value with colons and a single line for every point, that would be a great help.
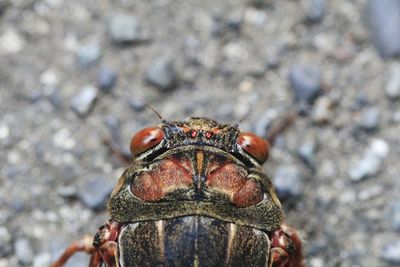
x: 220, y: 59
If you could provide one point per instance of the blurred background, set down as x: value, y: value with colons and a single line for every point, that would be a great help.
x: 73, y: 73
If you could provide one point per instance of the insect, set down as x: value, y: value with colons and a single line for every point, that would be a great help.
x: 195, y: 195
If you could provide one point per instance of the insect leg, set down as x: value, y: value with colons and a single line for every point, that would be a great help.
x: 109, y: 253
x: 286, y: 248
x: 84, y: 245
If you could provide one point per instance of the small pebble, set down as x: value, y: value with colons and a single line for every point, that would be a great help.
x: 370, y: 192
x: 124, y: 29
x: 260, y: 3
x: 371, y: 162
x: 49, y: 78
x: 305, y: 81
x: 84, y: 101
x: 391, y: 252
x: 317, y: 262
x: 221, y: 25
x: 64, y: 139
x: 264, y: 122
x: 273, y: 60
x: 114, y: 126
x: 162, y: 74
x: 392, y: 86
x: 370, y: 119
x: 5, y: 242
x: 95, y: 193
x: 384, y: 22
x: 136, y: 105
x: 361, y: 101
x: 106, y: 79
x: 396, y: 117
x: 307, y: 153
x: 23, y: 251
x: 315, y: 10
x: 322, y: 110
x: 43, y: 259
x: 288, y: 181
x: 369, y: 165
x: 11, y: 42
x: 218, y: 27
x: 88, y: 55
x: 4, y: 4
x: 394, y: 216
x: 379, y: 148
x: 4, y: 130
x: 67, y: 191
x: 55, y: 98
x: 255, y: 17
x: 191, y: 49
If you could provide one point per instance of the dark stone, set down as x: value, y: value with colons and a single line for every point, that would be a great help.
x: 361, y: 101
x: 394, y: 216
x: 113, y: 125
x: 4, y: 5
x: 124, y: 29
x: 162, y: 73
x: 95, y: 193
x: 263, y: 124
x: 273, y: 61
x: 261, y: 3
x: 222, y: 26
x: 305, y: 81
x: 392, y: 86
x: 5, y: 242
x: 55, y: 98
x: 67, y: 191
x: 307, y: 154
x: 88, y: 55
x: 315, y: 10
x: 136, y: 105
x: 370, y: 119
x: 106, y: 79
x: 288, y: 181
x: 83, y: 102
x: 384, y: 21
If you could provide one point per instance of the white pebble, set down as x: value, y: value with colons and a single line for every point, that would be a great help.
x: 4, y: 130
x: 63, y: 139
x: 11, y: 42
x: 379, y: 148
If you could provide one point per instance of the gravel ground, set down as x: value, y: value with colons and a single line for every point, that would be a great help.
x: 73, y: 72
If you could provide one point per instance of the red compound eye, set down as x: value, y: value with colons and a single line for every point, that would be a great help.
x: 254, y: 145
x: 146, y: 139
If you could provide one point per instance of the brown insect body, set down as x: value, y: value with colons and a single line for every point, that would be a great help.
x: 195, y: 195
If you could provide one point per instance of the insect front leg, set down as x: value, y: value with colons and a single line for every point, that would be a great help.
x: 103, y: 247
x: 84, y: 245
x: 286, y: 248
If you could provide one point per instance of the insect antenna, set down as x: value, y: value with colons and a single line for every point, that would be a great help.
x: 279, y: 125
x: 257, y: 106
x: 126, y: 94
x: 154, y: 110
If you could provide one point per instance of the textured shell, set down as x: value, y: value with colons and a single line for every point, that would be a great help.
x: 125, y: 207
x: 197, y: 198
x: 192, y: 241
